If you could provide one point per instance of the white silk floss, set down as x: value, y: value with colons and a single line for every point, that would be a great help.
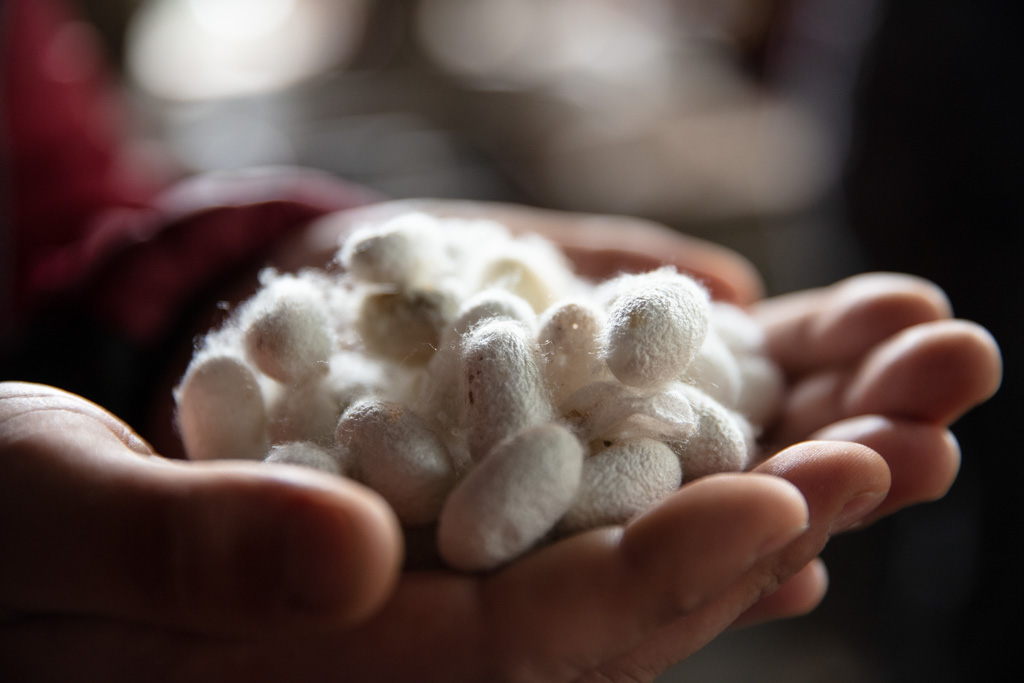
x: 488, y: 393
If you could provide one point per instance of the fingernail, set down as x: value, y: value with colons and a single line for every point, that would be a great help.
x: 855, y: 510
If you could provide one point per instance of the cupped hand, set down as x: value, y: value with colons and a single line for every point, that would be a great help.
x: 121, y: 566
x: 620, y: 603
x: 878, y: 360
x: 96, y: 529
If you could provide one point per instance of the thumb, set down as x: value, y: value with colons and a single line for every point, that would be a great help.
x: 92, y: 523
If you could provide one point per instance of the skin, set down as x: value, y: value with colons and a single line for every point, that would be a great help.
x: 141, y: 568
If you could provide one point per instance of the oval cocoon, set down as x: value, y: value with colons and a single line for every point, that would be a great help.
x: 720, y: 441
x: 404, y: 326
x: 501, y: 384
x: 511, y: 499
x: 763, y: 387
x: 622, y: 481
x: 398, y: 456
x: 491, y: 303
x: 655, y: 328
x: 395, y: 252
x: 289, y: 336
x: 304, y: 412
x: 716, y: 371
x: 569, y: 339
x: 220, y: 410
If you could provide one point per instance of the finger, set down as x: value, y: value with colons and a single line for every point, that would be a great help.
x: 20, y: 402
x: 457, y: 609
x: 224, y: 547
x: 840, y: 482
x: 600, y: 246
x: 549, y: 616
x: 553, y: 614
x: 923, y: 458
x: 429, y: 631
x: 810, y: 404
x: 798, y: 596
x: 953, y: 365
x: 579, y: 601
x: 830, y: 471
x: 835, y: 326
x: 102, y: 650
x: 932, y: 372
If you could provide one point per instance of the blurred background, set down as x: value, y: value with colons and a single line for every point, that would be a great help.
x: 818, y: 137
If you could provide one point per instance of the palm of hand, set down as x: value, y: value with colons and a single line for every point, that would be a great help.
x: 877, y: 373
x: 861, y: 357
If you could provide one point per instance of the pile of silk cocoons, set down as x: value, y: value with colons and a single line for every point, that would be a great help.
x: 492, y: 397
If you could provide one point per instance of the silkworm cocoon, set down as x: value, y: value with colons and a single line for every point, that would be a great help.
x: 310, y: 411
x: 464, y: 242
x: 220, y: 409
x: 303, y: 412
x: 761, y: 382
x: 622, y: 481
x: 501, y: 384
x: 716, y: 371
x: 406, y: 325
x: 450, y: 350
x: 610, y: 410
x: 569, y: 340
x: 288, y: 335
x: 736, y: 328
x: 439, y: 395
x: 511, y: 499
x: 394, y: 453
x: 399, y: 251
x: 531, y: 268
x: 721, y: 441
x: 437, y: 391
x: 492, y: 303
x: 353, y: 376
x: 306, y: 454
x: 656, y: 325
x: 762, y: 388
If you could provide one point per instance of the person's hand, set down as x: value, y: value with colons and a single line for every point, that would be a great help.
x: 876, y: 359
x: 615, y: 603
x: 122, y: 566
x: 102, y: 541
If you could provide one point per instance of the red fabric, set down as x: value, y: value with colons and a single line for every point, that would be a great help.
x: 67, y: 165
x: 89, y: 220
x: 204, y: 227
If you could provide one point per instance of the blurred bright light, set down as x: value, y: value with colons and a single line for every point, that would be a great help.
x: 533, y: 43
x: 204, y: 49
x: 241, y: 18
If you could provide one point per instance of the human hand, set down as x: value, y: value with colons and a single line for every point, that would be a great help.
x: 120, y: 565
x: 102, y: 541
x: 898, y: 370
x: 878, y: 359
x: 612, y: 603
